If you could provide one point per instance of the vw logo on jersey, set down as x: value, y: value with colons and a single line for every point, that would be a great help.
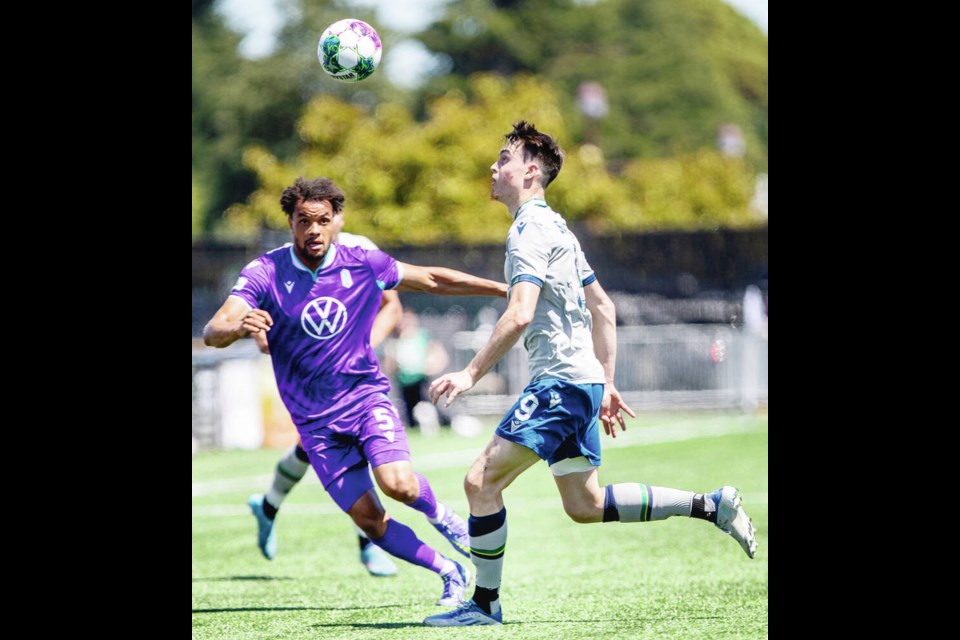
x: 323, y: 318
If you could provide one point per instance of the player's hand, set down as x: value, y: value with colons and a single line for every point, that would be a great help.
x: 261, y: 339
x: 255, y: 321
x: 610, y: 408
x: 453, y: 384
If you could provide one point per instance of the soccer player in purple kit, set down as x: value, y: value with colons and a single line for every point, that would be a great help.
x: 294, y: 462
x: 317, y: 300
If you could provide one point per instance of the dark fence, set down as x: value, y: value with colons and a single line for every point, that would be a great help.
x: 656, y: 278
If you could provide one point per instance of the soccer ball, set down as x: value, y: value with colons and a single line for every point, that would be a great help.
x: 349, y: 50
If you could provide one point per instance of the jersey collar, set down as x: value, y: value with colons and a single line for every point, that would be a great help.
x: 535, y: 201
x: 327, y: 259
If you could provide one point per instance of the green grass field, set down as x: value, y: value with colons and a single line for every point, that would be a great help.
x: 677, y: 578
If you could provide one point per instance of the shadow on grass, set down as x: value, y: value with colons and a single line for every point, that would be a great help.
x: 240, y: 609
x: 229, y: 578
x: 406, y: 625
x: 381, y: 625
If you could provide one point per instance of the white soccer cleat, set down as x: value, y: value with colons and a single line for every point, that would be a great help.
x: 732, y: 519
x: 454, y: 586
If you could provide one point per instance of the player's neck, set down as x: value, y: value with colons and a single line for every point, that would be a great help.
x: 524, y: 199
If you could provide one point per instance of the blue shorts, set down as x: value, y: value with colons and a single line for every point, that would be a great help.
x: 557, y: 420
x: 340, y: 452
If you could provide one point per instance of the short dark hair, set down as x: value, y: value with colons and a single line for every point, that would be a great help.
x: 538, y: 145
x: 312, y: 191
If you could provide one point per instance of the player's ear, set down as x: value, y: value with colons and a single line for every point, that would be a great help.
x: 533, y: 171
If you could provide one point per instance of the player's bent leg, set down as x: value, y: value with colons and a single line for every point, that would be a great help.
x: 400, y: 541
x: 497, y: 466
x: 398, y: 480
x: 580, y: 490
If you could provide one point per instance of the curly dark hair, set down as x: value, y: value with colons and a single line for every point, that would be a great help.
x: 540, y: 146
x: 312, y: 191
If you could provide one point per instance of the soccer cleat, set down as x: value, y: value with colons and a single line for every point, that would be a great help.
x: 454, y: 529
x: 266, y: 538
x: 377, y: 562
x: 732, y: 519
x: 468, y: 614
x: 454, y: 584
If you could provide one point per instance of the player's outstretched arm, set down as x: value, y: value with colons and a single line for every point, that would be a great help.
x: 234, y: 320
x: 510, y: 326
x: 447, y: 282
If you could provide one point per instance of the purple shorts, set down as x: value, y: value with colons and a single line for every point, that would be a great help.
x: 340, y: 452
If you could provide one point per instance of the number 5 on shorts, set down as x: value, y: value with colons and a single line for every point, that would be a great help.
x: 386, y: 422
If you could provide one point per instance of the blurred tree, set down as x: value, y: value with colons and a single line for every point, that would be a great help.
x: 429, y: 182
x: 414, y: 164
x: 238, y: 101
x: 674, y: 71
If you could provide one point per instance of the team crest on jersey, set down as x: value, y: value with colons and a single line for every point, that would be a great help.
x: 345, y: 278
x: 554, y: 399
x: 322, y: 318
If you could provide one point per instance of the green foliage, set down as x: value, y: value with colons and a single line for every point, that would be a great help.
x: 697, y: 191
x: 199, y: 207
x: 415, y: 164
x: 674, y: 70
x: 425, y: 183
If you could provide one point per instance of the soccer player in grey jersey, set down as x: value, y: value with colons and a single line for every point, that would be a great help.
x: 568, y: 324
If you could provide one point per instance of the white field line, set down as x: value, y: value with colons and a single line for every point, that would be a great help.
x: 674, y: 432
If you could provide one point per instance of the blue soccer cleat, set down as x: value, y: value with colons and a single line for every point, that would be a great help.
x: 453, y: 528
x: 266, y: 538
x: 468, y: 614
x: 732, y: 519
x: 377, y: 562
x: 454, y: 584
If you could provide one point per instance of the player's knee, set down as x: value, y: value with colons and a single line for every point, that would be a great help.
x: 402, y: 489
x: 582, y: 513
x: 370, y: 517
x: 473, y: 484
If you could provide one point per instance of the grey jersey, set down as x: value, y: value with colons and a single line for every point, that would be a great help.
x: 542, y: 250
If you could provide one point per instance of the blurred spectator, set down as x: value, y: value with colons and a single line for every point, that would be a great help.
x: 413, y: 358
x: 754, y: 310
x: 730, y: 141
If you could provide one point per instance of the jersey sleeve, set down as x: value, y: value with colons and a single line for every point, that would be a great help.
x: 385, y: 269
x: 529, y: 256
x: 253, y: 283
x: 586, y: 271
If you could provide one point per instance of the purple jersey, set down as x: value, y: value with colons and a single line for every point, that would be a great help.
x: 320, y: 339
